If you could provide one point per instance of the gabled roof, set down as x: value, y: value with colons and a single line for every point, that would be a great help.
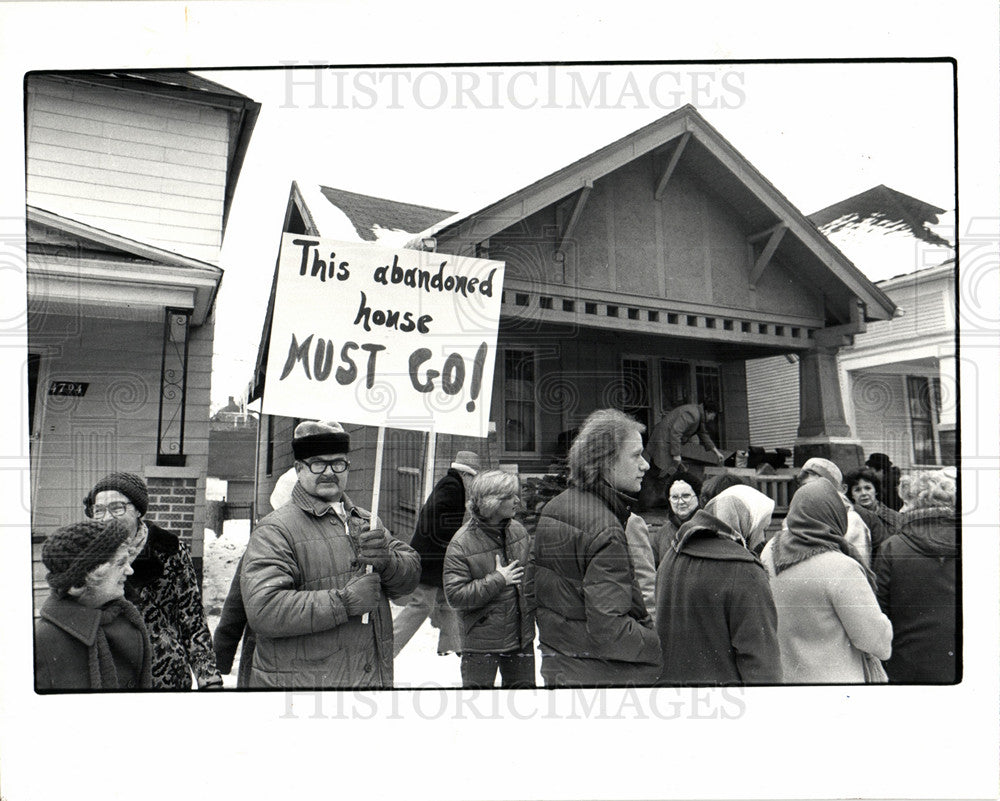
x: 372, y: 215
x: 187, y: 87
x: 887, y: 233
x: 720, y: 167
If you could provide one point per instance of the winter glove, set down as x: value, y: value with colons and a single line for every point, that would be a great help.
x: 374, y: 549
x: 361, y: 594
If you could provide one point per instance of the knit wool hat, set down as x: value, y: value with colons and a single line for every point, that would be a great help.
x: 466, y: 462
x: 823, y: 468
x: 71, y: 552
x: 316, y: 438
x: 130, y: 485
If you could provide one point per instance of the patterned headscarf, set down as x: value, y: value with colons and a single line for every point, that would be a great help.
x: 742, y: 508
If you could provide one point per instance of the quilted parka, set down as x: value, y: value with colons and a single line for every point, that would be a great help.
x: 493, y: 618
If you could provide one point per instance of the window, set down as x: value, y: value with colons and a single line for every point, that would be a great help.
x: 520, y: 409
x: 924, y: 399
x: 675, y: 384
x: 635, y: 390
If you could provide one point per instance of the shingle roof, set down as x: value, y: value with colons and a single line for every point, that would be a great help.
x: 368, y: 214
x: 886, y: 208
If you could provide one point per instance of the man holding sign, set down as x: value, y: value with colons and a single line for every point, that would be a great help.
x: 304, y: 579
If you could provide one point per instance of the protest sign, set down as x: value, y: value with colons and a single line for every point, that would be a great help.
x: 381, y: 336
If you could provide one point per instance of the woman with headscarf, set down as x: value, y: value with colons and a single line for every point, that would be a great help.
x: 164, y: 586
x: 828, y: 617
x: 916, y: 574
x: 682, y: 497
x: 715, y: 615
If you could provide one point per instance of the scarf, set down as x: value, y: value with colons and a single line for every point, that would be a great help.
x: 816, y: 523
x: 745, y: 510
x: 103, y: 674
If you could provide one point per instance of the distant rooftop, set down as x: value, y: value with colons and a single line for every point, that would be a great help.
x: 372, y: 215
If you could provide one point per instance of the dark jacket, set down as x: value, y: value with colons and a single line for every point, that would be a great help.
x: 916, y: 572
x: 440, y: 517
x: 80, y: 648
x: 298, y: 560
x: 493, y: 617
x: 715, y: 614
x: 231, y: 629
x: 882, y: 522
x: 165, y: 589
x: 590, y: 611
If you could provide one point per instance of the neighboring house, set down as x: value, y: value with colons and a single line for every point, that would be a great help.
x: 642, y: 276
x: 130, y: 179
x: 232, y: 453
x: 898, y: 378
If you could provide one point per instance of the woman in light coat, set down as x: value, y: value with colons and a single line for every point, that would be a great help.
x: 828, y: 616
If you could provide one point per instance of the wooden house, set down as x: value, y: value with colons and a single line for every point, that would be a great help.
x: 130, y: 179
x: 899, y: 377
x: 643, y: 276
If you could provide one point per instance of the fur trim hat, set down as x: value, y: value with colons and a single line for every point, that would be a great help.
x: 823, y: 468
x: 316, y: 438
x: 466, y: 462
x: 130, y: 485
x: 71, y: 552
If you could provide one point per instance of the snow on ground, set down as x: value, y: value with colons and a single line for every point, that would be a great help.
x: 418, y: 664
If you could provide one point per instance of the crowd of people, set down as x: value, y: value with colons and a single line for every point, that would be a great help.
x: 857, y: 584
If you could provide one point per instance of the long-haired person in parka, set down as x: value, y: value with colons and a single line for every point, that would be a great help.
x: 594, y: 629
x: 486, y: 583
x: 828, y: 618
x: 917, y: 574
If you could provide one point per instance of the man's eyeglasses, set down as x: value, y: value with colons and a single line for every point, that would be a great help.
x: 319, y: 466
x: 116, y: 509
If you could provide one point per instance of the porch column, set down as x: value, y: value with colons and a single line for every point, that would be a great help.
x: 823, y: 429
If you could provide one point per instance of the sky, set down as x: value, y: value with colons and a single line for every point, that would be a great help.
x: 459, y: 138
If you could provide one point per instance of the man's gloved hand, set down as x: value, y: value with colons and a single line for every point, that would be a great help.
x: 374, y: 549
x: 361, y: 594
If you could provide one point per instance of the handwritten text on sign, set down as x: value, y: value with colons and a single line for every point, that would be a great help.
x: 380, y: 336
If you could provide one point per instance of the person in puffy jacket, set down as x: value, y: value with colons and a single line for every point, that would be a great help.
x: 916, y: 574
x: 593, y: 625
x: 487, y: 583
x: 304, y: 581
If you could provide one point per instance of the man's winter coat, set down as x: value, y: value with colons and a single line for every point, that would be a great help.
x: 298, y: 559
x: 715, y: 614
x: 916, y: 574
x: 81, y: 648
x: 493, y: 618
x: 590, y: 612
x: 440, y: 517
x: 669, y: 435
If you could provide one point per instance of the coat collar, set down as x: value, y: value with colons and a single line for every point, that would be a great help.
x: 317, y: 507
x: 706, y: 536
x: 618, y: 502
x: 81, y: 622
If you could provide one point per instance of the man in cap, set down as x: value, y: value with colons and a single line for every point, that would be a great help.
x: 440, y: 517
x: 858, y: 534
x: 305, y: 583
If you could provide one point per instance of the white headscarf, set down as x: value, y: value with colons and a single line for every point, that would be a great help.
x: 744, y: 509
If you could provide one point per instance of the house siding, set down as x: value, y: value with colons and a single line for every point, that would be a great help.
x: 132, y: 164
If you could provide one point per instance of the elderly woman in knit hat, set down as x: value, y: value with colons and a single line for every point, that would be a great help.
x: 163, y: 585
x: 88, y: 637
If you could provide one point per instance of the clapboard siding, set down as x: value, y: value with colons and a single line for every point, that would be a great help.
x: 924, y: 314
x: 145, y: 167
x: 773, y: 402
x: 114, y: 426
x: 881, y: 415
